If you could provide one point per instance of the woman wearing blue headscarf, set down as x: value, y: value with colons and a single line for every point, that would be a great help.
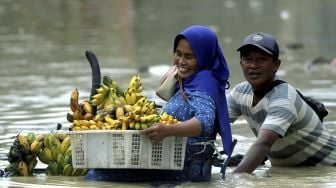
x: 199, y: 103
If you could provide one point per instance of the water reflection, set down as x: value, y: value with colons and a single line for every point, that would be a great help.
x: 42, y: 45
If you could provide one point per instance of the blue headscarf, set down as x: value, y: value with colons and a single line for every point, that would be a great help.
x: 211, y: 77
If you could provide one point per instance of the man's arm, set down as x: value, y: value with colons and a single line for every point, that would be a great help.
x: 257, y: 152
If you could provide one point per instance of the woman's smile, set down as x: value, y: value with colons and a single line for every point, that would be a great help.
x: 185, y: 59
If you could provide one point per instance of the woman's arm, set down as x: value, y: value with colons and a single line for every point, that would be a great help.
x: 159, y: 131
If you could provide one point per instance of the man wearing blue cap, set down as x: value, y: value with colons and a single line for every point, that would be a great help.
x: 288, y: 131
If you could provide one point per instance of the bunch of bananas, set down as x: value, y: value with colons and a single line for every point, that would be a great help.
x: 107, y: 94
x: 81, y: 110
x: 167, y: 119
x: 117, y: 110
x: 23, y: 153
x: 56, y: 153
x: 52, y: 149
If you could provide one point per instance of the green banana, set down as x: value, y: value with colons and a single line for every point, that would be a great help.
x: 68, y: 159
x: 111, y: 83
x: 60, y: 160
x: 31, y: 166
x: 67, y: 170
x: 45, y: 155
x: 55, y: 169
x: 30, y: 137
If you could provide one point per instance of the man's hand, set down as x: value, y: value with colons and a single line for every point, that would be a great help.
x: 257, y: 152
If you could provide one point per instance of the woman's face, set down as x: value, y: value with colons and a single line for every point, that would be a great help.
x: 184, y: 59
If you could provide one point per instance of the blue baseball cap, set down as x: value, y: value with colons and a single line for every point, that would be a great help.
x: 263, y: 41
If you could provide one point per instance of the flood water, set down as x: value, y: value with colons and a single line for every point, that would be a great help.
x: 42, y: 46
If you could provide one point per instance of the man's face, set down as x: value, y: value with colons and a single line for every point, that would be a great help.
x: 259, y: 68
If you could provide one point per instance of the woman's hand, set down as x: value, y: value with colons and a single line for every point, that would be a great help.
x: 157, y: 132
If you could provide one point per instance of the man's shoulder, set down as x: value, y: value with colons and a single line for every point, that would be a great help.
x: 242, y: 86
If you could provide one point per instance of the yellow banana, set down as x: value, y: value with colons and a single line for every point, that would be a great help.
x: 87, y: 107
x: 144, y: 108
x: 124, y: 126
x: 122, y: 100
x: 101, y: 105
x: 128, y: 99
x: 54, y: 152
x: 76, y: 128
x: 137, y: 109
x: 85, y: 123
x: 109, y: 100
x: 78, y: 115
x: 137, y: 125
x: 69, y: 154
x: 105, y: 88
x: 99, y: 117
x: 24, y: 145
x: 100, y: 89
x: 23, y: 168
x: 39, y: 137
x: 164, y: 116
x: 138, y: 90
x: 65, y: 145
x: 144, y: 125
x: 74, y: 100
x: 131, y: 125
x: 92, y: 122
x: 61, y: 135
x: 114, y: 84
x: 88, y: 116
x: 94, y: 127
x: 128, y: 108
x: 49, y: 140
x: 98, y: 98
x: 57, y: 142
x: 84, y: 128
x: 141, y: 101
x: 151, y: 106
x: 120, y: 112
x: 133, y: 98
x: 135, y: 82
x: 35, y: 147
x: 131, y: 115
x: 148, y: 118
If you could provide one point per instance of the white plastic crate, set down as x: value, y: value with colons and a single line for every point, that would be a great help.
x: 125, y: 149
